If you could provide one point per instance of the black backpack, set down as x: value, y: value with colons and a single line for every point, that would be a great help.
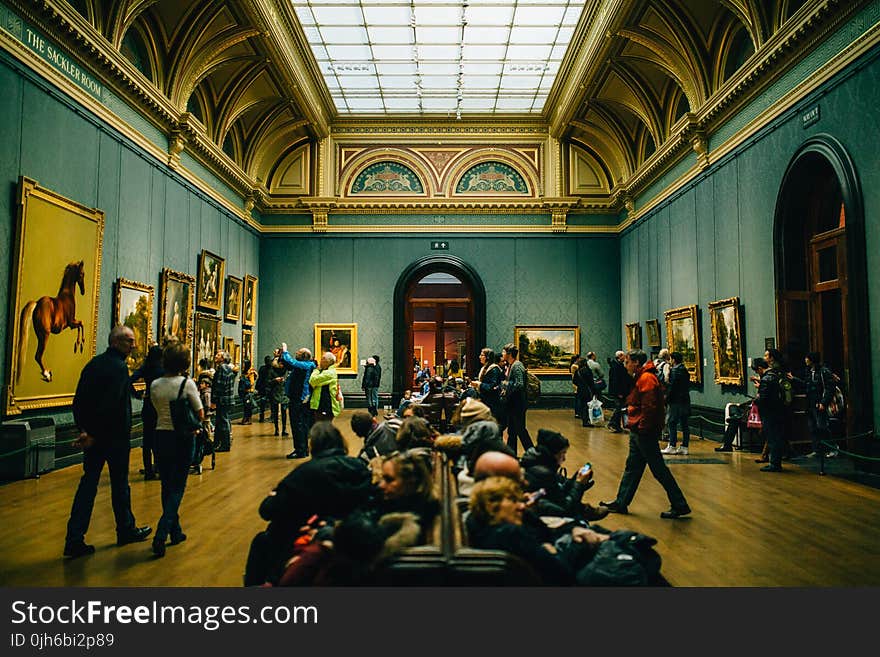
x: 533, y: 388
x: 626, y: 559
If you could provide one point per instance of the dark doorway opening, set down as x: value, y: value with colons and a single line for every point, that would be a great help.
x: 439, y: 317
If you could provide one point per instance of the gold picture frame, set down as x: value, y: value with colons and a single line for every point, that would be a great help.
x: 249, y: 301
x: 207, y: 339
x: 212, y: 273
x: 341, y: 340
x: 229, y: 345
x: 56, y: 239
x: 133, y: 307
x: 727, y: 344
x: 683, y: 336
x: 633, y: 336
x: 232, y: 298
x: 247, y: 346
x: 176, y: 306
x: 547, y: 349
x: 652, y: 332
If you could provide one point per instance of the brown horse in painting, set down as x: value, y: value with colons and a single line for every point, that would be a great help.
x: 52, y: 315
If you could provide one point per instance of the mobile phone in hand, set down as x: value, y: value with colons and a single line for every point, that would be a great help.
x: 536, y: 495
x: 586, y: 469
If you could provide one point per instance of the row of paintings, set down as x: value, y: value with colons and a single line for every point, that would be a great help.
x: 211, y: 274
x: 683, y: 336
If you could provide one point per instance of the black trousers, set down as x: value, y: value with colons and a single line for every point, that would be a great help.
x: 300, y: 423
x: 175, y: 456
x: 617, y: 415
x: 644, y: 450
x: 148, y: 446
x: 516, y: 428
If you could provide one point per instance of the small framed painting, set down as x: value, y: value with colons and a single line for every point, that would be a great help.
x: 211, y: 271
x: 727, y: 347
x: 633, y: 336
x: 207, y: 338
x: 683, y: 336
x: 547, y: 349
x: 249, y: 309
x: 341, y: 341
x: 134, y: 309
x: 232, y: 298
x: 652, y: 329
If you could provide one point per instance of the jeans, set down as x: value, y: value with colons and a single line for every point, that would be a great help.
x: 644, y: 449
x: 223, y: 427
x: 115, y: 454
x: 175, y: 456
x: 772, y: 430
x: 372, y: 400
x: 679, y: 414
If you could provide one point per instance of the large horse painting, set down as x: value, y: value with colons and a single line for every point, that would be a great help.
x: 54, y: 299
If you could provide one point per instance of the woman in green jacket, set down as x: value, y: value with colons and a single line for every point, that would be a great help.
x: 325, y: 402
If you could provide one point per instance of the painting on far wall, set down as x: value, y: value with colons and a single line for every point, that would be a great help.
x: 633, y: 336
x: 683, y: 336
x: 249, y: 308
x: 134, y: 309
x: 176, y: 306
x: 547, y: 349
x: 212, y: 269
x: 232, y: 297
x: 727, y: 347
x: 341, y: 341
x: 208, y: 338
x: 652, y: 329
x: 247, y: 346
x: 53, y: 298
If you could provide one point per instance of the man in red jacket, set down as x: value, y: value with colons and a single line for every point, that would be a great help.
x: 645, y: 419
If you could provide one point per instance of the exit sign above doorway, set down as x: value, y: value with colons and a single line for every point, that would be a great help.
x: 439, y: 245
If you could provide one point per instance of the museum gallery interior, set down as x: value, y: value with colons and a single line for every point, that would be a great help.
x: 419, y: 180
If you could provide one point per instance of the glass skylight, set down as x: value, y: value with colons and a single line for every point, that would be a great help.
x: 438, y: 57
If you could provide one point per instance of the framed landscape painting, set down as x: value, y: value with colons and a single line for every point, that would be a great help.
x: 207, y: 338
x: 211, y: 272
x: 134, y: 309
x: 547, y: 349
x: 249, y: 308
x: 247, y: 345
x: 633, y: 336
x: 53, y: 298
x: 652, y: 329
x: 683, y: 336
x: 232, y: 298
x: 176, y: 306
x: 727, y: 346
x: 341, y: 341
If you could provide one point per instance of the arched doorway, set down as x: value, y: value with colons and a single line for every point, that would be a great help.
x: 439, y: 307
x: 821, y: 280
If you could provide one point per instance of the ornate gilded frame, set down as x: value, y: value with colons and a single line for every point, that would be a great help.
x: 170, y: 280
x: 680, y: 322
x: 559, y: 337
x: 324, y: 333
x: 207, y: 349
x: 725, y: 314
x: 247, y: 346
x: 143, y: 336
x: 232, y: 305
x: 249, y: 301
x: 652, y: 330
x: 206, y: 299
x: 633, y: 336
x: 52, y: 233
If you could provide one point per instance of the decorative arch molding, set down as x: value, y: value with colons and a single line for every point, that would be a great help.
x: 507, y: 163
x: 404, y: 163
x: 835, y: 154
x: 292, y: 174
x: 587, y: 175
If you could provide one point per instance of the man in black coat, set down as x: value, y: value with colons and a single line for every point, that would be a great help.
x: 102, y: 412
x: 370, y: 385
x: 619, y: 385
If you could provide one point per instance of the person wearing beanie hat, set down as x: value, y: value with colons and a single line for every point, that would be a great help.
x: 480, y: 437
x: 470, y: 411
x: 563, y: 494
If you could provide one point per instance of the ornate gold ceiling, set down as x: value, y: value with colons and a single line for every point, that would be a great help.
x: 644, y: 83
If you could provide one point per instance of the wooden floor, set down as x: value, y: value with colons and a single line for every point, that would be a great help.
x: 748, y: 528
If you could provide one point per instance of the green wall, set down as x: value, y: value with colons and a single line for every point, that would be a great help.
x: 153, y: 219
x: 715, y: 238
x: 558, y: 280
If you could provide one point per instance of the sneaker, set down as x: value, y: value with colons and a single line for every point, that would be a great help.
x: 675, y: 513
x: 683, y: 450
x: 832, y: 454
x: 724, y: 448
x: 297, y: 455
x: 614, y: 507
x: 80, y: 549
x: 670, y: 449
x: 134, y: 535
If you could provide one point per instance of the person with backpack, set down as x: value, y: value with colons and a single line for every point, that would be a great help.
x: 586, y: 389
x: 771, y: 404
x: 515, y: 399
x: 262, y: 385
x: 818, y: 382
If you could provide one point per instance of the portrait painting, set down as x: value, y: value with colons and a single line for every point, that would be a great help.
x: 208, y: 338
x: 547, y: 349
x: 212, y: 269
x: 683, y: 336
x: 176, y: 306
x: 727, y: 346
x: 652, y: 329
x: 341, y: 341
x: 249, y: 303
x: 633, y: 336
x: 232, y: 298
x: 134, y: 309
x: 229, y: 345
x: 53, y: 299
x: 247, y: 345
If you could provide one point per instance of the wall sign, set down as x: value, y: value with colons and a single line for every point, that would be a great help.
x: 440, y: 245
x: 811, y: 116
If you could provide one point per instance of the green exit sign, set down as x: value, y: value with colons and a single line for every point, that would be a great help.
x: 439, y: 245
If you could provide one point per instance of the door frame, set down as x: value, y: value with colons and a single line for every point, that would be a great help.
x: 859, y: 406
x: 447, y: 264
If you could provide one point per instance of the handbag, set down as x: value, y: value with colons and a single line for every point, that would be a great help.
x: 754, y: 418
x: 185, y: 420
